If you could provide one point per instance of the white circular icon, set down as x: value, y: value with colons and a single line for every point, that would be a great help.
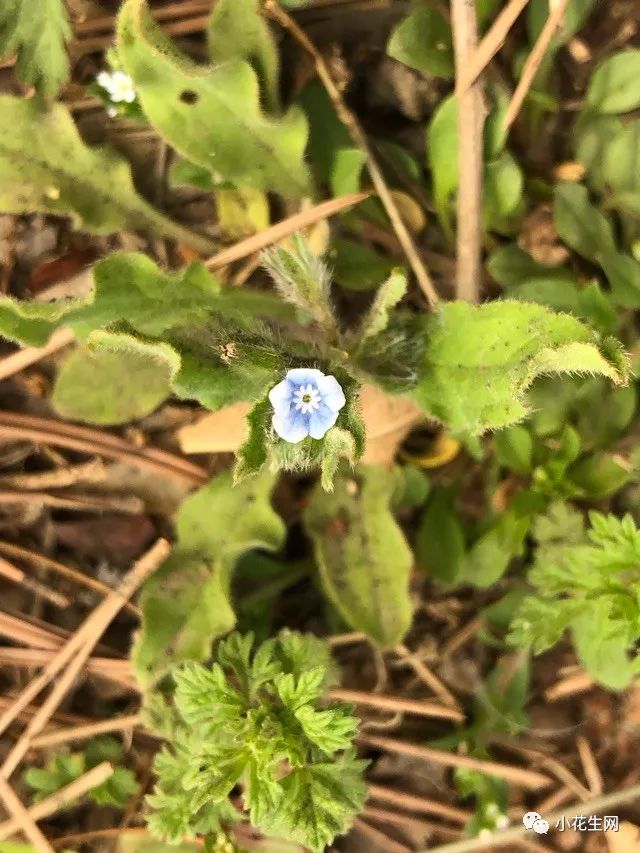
x: 541, y: 826
x: 530, y: 818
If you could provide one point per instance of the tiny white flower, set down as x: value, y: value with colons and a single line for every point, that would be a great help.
x: 502, y: 821
x: 119, y: 86
x: 112, y: 112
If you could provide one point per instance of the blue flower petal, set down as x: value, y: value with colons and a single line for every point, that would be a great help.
x: 304, y: 375
x: 291, y: 425
x: 331, y: 392
x: 281, y: 395
x: 321, y: 420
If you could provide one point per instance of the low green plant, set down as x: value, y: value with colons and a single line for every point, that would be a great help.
x: 253, y: 720
x: 587, y: 583
x: 64, y: 767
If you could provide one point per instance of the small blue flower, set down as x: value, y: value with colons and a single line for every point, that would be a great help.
x: 306, y: 402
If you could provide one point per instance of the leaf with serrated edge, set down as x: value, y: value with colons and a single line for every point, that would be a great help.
x: 363, y: 557
x: 45, y: 167
x: 211, y: 114
x: 480, y: 360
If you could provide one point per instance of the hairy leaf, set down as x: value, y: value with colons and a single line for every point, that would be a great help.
x: 186, y: 604
x: 45, y: 167
x: 37, y: 31
x: 363, y: 557
x: 237, y: 30
x: 106, y: 387
x: 212, y: 114
x: 480, y: 360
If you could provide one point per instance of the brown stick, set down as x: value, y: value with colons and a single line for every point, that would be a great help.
x: 471, y: 115
x: 83, y: 732
x: 69, y: 794
x: 41, y: 560
x: 579, y: 682
x: 22, y: 817
x: 357, y: 134
x: 74, y: 652
x: 17, y: 361
x: 589, y: 765
x: 517, y: 775
x: 81, y: 503
x: 420, y: 707
x: 556, y: 16
x: 111, y: 669
x: 91, y: 441
x: 490, y: 45
x: 422, y: 805
x: 15, y: 575
x: 424, y: 673
x: 283, y: 229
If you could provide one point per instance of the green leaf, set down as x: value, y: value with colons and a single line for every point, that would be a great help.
x: 579, y: 223
x: 599, y: 476
x: 346, y: 171
x: 45, y: 167
x: 302, y: 279
x: 237, y: 30
x: 362, y: 555
x: 320, y: 802
x: 593, y: 135
x: 440, y: 545
x: 388, y: 295
x: 103, y: 387
x: 490, y: 555
x: 613, y: 87
x: 37, y: 30
x: 511, y: 266
x: 623, y: 274
x: 186, y: 604
x: 442, y: 143
x: 212, y: 115
x: 422, y: 41
x: 574, y: 18
x: 621, y: 161
x: 205, y: 695
x: 480, y: 360
x: 503, y: 186
x: 514, y: 449
x: 356, y: 266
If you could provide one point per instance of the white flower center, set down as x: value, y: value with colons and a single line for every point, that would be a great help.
x: 306, y: 399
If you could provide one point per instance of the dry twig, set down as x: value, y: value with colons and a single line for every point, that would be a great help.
x: 471, y: 116
x: 429, y: 678
x: 380, y: 839
x: 422, y: 805
x: 556, y: 16
x: 22, y: 817
x: 17, y: 361
x: 589, y: 765
x: 15, y: 575
x: 101, y: 727
x: 529, y: 779
x: 74, y: 653
x: 420, y: 707
x: 69, y: 794
x: 357, y: 134
x: 40, y: 560
x: 283, y: 229
x: 490, y: 45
